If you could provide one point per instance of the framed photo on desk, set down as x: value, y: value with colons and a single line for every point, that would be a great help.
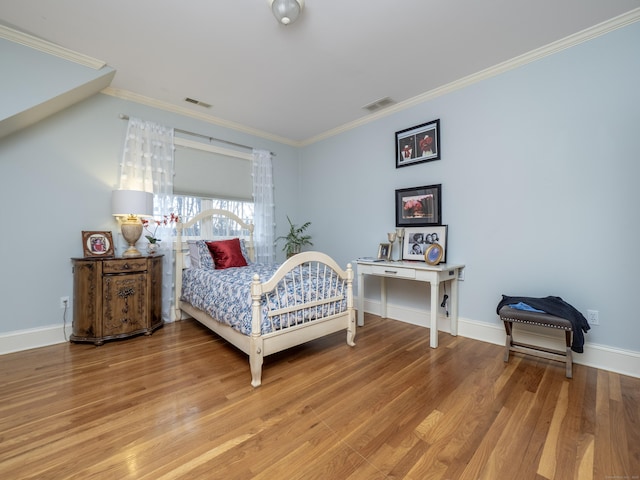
x: 418, y: 239
x: 384, y: 252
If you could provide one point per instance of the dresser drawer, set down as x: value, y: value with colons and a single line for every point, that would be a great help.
x: 124, y: 265
x: 390, y: 271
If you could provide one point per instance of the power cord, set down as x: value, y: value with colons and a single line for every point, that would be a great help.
x: 64, y: 320
x: 444, y: 302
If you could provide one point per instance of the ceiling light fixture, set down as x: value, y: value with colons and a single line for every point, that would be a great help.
x: 286, y: 11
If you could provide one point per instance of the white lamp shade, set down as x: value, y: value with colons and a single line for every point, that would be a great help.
x: 131, y: 202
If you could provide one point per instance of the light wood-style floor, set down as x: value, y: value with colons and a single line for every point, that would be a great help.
x: 179, y: 404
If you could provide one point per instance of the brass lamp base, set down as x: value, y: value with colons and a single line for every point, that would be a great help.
x: 132, y: 251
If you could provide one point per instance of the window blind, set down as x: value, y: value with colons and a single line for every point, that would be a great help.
x: 211, y: 174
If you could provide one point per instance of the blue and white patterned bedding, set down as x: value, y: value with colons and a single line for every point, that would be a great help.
x: 226, y: 295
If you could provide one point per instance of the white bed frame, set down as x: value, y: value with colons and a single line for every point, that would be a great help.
x: 256, y: 345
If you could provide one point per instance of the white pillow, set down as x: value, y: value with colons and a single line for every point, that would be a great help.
x: 194, y: 253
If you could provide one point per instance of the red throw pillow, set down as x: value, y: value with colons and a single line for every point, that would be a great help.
x: 227, y: 253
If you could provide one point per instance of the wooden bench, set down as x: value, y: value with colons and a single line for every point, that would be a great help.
x: 510, y: 315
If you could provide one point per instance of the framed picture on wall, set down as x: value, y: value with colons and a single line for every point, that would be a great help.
x: 97, y: 244
x: 419, y: 206
x: 417, y: 241
x: 418, y: 144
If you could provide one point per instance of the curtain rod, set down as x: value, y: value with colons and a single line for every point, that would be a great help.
x: 211, y: 139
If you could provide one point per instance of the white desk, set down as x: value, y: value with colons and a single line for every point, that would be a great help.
x: 418, y: 271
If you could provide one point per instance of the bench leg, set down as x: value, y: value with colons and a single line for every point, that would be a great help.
x: 568, y: 338
x: 538, y: 350
x: 507, y: 346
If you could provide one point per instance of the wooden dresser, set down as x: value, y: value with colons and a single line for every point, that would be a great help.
x: 116, y: 297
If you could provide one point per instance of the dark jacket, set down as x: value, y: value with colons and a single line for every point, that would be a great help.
x: 559, y: 308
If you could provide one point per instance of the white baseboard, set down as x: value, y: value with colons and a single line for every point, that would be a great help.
x: 625, y: 362
x: 33, y: 338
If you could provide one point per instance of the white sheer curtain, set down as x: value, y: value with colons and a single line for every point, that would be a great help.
x: 147, y: 164
x: 263, y: 209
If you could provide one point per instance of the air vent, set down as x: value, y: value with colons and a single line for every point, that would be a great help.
x: 197, y: 102
x: 378, y: 104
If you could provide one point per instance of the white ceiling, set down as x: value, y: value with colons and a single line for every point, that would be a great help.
x: 299, y: 82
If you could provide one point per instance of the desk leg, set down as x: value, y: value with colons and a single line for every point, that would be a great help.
x: 433, y: 329
x: 454, y: 306
x: 360, y: 299
x: 383, y: 297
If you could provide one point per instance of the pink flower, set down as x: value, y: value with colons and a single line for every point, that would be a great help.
x: 166, y: 220
x: 413, y: 206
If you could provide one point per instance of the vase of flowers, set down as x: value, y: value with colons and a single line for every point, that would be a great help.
x: 152, y: 246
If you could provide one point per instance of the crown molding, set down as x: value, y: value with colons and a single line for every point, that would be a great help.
x: 537, y: 54
x: 161, y: 105
x: 532, y: 56
x: 49, y: 48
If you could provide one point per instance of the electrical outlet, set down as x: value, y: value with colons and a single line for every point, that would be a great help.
x: 461, y: 274
x: 64, y: 302
x: 592, y: 317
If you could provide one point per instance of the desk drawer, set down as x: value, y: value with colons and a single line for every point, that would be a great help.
x: 390, y: 271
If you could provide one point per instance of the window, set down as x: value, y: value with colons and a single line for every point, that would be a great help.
x: 187, y: 207
x: 211, y: 177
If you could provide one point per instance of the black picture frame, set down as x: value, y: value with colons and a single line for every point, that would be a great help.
x: 418, y: 144
x: 419, y: 206
x: 417, y: 240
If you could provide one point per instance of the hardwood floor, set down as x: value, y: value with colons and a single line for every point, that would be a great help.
x: 179, y: 404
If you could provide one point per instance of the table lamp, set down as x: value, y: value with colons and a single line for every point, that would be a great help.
x: 128, y: 206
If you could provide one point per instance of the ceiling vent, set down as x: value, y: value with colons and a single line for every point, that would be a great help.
x: 197, y: 102
x: 378, y: 104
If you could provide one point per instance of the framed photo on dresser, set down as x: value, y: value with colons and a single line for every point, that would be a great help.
x: 97, y: 244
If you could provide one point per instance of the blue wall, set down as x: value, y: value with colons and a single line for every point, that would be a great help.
x: 539, y: 172
x: 56, y: 179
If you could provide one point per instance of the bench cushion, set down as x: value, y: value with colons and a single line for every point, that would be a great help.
x: 534, y: 318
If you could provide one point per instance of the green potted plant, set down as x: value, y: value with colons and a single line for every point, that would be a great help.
x: 296, y: 238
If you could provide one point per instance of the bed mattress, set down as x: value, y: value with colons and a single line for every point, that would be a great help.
x: 226, y: 295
